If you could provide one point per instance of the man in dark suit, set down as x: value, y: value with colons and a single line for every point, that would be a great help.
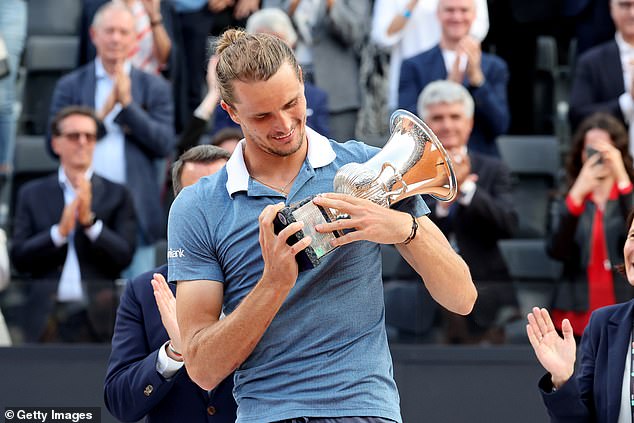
x: 483, y: 212
x: 458, y: 58
x: 137, y: 111
x: 74, y: 232
x: 602, y: 81
x: 146, y: 376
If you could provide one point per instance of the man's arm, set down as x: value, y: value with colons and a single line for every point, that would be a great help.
x: 213, y: 348
x: 587, y: 84
x: 117, y: 240
x: 150, y: 124
x: 132, y: 363
x: 445, y: 274
x: 491, y: 100
x: 31, y: 240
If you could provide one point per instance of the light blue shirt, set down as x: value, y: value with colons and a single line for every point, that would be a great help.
x: 325, y: 354
x: 109, y: 155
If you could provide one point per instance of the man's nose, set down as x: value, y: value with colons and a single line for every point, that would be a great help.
x: 283, y: 122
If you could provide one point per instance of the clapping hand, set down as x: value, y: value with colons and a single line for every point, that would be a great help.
x: 166, y: 303
x: 83, y: 187
x: 244, y: 8
x: 69, y: 218
x: 556, y: 354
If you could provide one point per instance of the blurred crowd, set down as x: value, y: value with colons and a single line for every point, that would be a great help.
x: 144, y: 93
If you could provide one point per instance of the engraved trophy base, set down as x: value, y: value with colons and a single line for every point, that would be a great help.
x: 311, y: 214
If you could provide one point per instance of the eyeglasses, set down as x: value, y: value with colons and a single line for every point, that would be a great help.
x: 74, y: 136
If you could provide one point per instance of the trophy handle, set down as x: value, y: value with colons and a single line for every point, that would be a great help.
x: 397, y: 178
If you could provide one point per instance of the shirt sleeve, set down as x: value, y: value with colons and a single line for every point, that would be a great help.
x: 165, y: 366
x: 190, y: 250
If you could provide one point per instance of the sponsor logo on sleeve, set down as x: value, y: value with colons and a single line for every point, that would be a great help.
x: 175, y: 253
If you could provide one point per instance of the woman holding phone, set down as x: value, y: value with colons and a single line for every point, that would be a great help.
x: 587, y: 232
x: 600, y: 389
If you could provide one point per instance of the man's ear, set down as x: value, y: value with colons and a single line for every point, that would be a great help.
x: 232, y: 114
x: 55, y: 144
x: 91, y: 32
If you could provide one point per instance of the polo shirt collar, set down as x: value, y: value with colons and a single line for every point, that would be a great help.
x: 320, y: 153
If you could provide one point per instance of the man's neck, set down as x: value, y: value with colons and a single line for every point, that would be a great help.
x: 109, y: 67
x: 447, y: 44
x: 271, y: 168
x: 73, y: 174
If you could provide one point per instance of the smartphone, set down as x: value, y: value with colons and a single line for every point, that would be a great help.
x: 591, y: 151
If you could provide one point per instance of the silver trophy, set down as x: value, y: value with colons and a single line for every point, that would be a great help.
x: 412, y: 162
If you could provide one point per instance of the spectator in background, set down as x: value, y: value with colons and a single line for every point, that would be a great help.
x: 74, y: 232
x: 227, y: 138
x: 137, y: 112
x: 146, y: 374
x: 589, y: 231
x: 13, y: 20
x: 197, y: 19
x: 207, y: 108
x: 599, y: 388
x: 592, y: 22
x: 161, y: 39
x: 458, y: 58
x: 152, y: 20
x: 602, y: 81
x: 410, y: 27
x: 331, y: 33
x: 482, y: 214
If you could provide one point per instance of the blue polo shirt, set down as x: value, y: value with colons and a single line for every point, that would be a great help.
x: 325, y: 353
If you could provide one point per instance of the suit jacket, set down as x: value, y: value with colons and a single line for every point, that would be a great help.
x: 569, y: 241
x: 39, y: 206
x: 597, y: 83
x: 489, y: 217
x: 139, y: 334
x: 491, y: 116
x: 149, y: 135
x: 593, y: 393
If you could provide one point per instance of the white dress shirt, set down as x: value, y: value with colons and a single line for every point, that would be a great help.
x: 109, y: 154
x: 70, y: 288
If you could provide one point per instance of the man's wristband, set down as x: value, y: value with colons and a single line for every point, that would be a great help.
x: 407, y: 14
x: 156, y: 22
x: 413, y: 231
x: 173, y: 350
